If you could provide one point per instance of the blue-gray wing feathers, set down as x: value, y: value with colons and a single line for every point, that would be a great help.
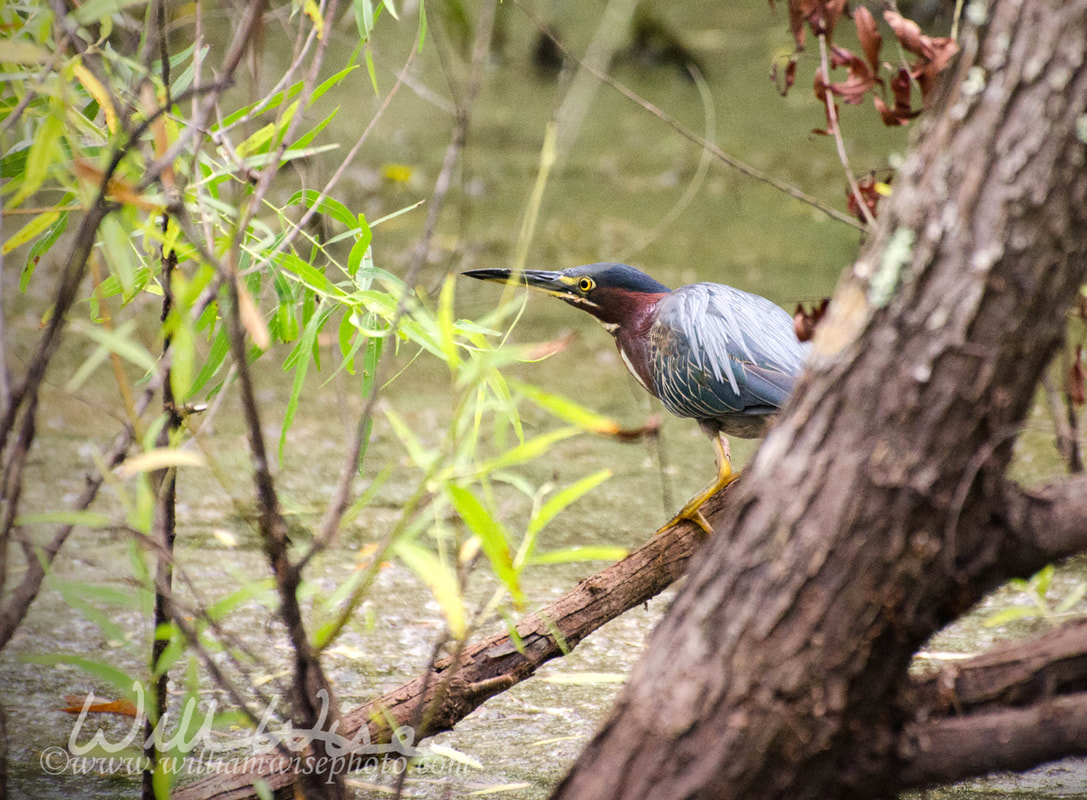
x: 724, y: 356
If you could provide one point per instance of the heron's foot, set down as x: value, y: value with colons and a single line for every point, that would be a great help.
x: 692, y: 511
x: 693, y: 516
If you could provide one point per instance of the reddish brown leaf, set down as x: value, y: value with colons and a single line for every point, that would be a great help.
x: 650, y: 428
x: 820, y: 87
x: 123, y: 707
x: 907, y: 31
x: 786, y: 83
x: 868, y: 34
x: 900, y: 86
x: 938, y: 54
x: 869, y: 189
x: 1076, y: 376
x: 796, y: 21
x: 859, y: 80
x: 790, y: 76
x: 805, y: 322
x: 934, y: 54
x: 544, y: 350
x: 902, y: 112
x: 889, y: 117
x: 832, y: 13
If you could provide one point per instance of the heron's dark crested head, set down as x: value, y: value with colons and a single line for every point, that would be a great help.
x: 611, y: 292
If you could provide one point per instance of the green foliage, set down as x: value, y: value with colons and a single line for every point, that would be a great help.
x: 1037, y: 588
x: 189, y: 217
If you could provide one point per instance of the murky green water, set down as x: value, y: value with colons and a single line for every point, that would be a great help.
x: 626, y: 171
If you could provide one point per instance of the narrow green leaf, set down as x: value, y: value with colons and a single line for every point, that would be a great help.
x: 550, y: 508
x: 176, y: 647
x: 121, y: 341
x: 304, y: 140
x: 331, y: 81
x: 397, y: 213
x: 359, y: 251
x: 305, y: 344
x: 446, y: 329
x: 220, y: 346
x: 420, y: 456
x: 1073, y: 597
x: 1010, y: 615
x: 261, y: 160
x: 527, y: 451
x: 257, y: 142
x: 327, y: 205
x: 566, y: 497
x: 43, y: 245
x: 182, y: 358
x: 1042, y: 580
x: 45, y: 151
x: 119, y: 253
x: 270, y: 104
x: 345, y: 335
x: 363, y: 17
x: 422, y: 25
x: 567, y: 410
x: 30, y: 230
x: 441, y: 581
x: 567, y: 555
x: 492, y: 535
x: 94, y: 615
x: 368, y: 56
x: 94, y: 10
x: 308, y: 274
x: 118, y: 679
x: 259, y: 590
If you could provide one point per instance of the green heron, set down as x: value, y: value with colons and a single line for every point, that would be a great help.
x: 724, y: 357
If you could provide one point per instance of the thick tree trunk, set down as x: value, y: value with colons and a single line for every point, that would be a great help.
x: 1028, y: 672
x: 877, y: 510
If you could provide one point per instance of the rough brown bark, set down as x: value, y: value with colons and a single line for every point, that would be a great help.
x: 864, y: 524
x: 876, y: 511
x: 1011, y: 708
x: 1017, y: 674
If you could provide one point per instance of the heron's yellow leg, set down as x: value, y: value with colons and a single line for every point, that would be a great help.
x: 725, y: 476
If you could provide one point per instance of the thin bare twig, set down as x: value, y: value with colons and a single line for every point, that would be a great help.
x: 40, y: 558
x: 719, y: 154
x: 836, y: 130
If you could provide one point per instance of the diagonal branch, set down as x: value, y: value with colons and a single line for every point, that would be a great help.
x: 492, y: 665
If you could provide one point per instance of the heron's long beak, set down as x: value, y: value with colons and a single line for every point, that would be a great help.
x: 552, y: 283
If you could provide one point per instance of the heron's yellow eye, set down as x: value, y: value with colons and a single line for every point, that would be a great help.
x: 585, y: 284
